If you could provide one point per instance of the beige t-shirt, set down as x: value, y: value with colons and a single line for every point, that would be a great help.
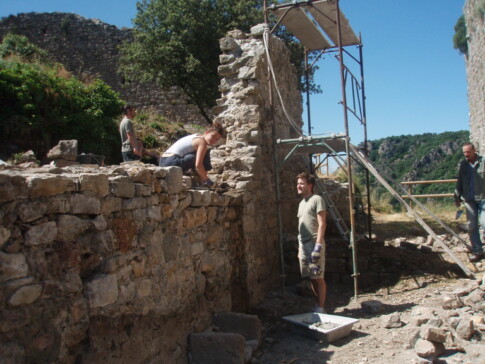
x: 307, y: 218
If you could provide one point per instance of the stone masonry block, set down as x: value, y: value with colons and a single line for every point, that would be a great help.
x: 201, y: 198
x: 4, y: 235
x: 174, y: 179
x: 82, y: 204
x: 69, y: 227
x: 228, y: 44
x: 217, y: 348
x: 41, y: 234
x: 433, y: 334
x: 12, y: 266
x: 194, y: 217
x: 246, y: 325
x: 65, y: 149
x: 12, y: 187
x: 25, y: 295
x: 140, y: 175
x: 123, y: 188
x: 102, y: 291
x: 46, y: 185
x: 98, y: 184
x: 32, y: 211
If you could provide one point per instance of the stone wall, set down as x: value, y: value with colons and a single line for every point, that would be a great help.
x: 89, y: 48
x: 120, y: 264
x: 96, y: 264
x: 475, y: 70
x: 248, y: 153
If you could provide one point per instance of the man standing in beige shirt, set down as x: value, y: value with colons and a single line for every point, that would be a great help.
x: 311, y: 227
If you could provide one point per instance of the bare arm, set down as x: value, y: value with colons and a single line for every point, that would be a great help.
x: 322, y: 225
x: 132, y: 139
x: 201, y: 148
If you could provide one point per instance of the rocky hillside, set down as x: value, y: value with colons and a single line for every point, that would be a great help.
x: 417, y: 158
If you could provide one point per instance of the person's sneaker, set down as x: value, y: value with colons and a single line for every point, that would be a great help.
x: 319, y: 310
x: 475, y: 257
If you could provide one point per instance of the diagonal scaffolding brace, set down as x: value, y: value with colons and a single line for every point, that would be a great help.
x: 365, y: 161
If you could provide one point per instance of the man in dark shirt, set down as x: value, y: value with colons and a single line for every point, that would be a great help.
x: 470, y: 188
x: 129, y: 148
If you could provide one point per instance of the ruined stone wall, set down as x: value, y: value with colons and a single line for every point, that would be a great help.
x: 114, y: 264
x: 90, y: 48
x: 250, y: 119
x: 121, y: 263
x: 475, y: 70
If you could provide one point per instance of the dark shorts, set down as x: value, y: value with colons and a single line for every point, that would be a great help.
x: 129, y: 156
x: 186, y: 162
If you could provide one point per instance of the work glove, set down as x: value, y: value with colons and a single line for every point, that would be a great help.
x: 315, y: 257
x: 314, y: 269
x: 208, y: 182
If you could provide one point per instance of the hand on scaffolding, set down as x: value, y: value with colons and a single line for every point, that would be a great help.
x: 315, y: 258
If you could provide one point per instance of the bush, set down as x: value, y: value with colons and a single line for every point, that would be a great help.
x: 156, y: 131
x: 40, y: 108
x: 14, y: 45
x: 459, y: 38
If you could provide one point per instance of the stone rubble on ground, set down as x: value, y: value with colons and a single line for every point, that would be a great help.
x: 457, y: 325
x: 372, y: 306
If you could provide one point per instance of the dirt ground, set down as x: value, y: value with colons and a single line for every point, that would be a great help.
x: 369, y: 341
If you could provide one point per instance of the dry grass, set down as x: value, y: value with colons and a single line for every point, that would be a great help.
x: 400, y: 224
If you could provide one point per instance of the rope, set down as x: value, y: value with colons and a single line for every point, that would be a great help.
x: 289, y: 118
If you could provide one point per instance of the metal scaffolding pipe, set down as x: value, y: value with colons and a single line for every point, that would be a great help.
x: 347, y: 149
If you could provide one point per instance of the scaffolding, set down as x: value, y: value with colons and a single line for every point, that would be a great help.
x: 321, y: 27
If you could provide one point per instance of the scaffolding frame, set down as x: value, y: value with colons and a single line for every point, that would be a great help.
x: 320, y: 26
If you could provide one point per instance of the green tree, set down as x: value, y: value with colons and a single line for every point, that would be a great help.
x: 176, y: 43
x: 459, y: 38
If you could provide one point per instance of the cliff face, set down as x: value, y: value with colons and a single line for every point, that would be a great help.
x: 419, y: 157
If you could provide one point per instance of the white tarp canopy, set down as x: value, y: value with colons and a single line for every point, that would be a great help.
x: 314, y: 23
x: 316, y: 144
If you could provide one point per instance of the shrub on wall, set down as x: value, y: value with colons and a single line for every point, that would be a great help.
x: 19, y: 46
x: 460, y: 38
x: 43, y: 104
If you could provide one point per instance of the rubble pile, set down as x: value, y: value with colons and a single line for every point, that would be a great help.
x: 455, y: 325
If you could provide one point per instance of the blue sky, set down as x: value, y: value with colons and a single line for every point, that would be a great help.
x: 415, y: 80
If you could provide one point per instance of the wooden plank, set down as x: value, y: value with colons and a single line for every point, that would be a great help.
x: 424, y: 196
x: 426, y: 182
